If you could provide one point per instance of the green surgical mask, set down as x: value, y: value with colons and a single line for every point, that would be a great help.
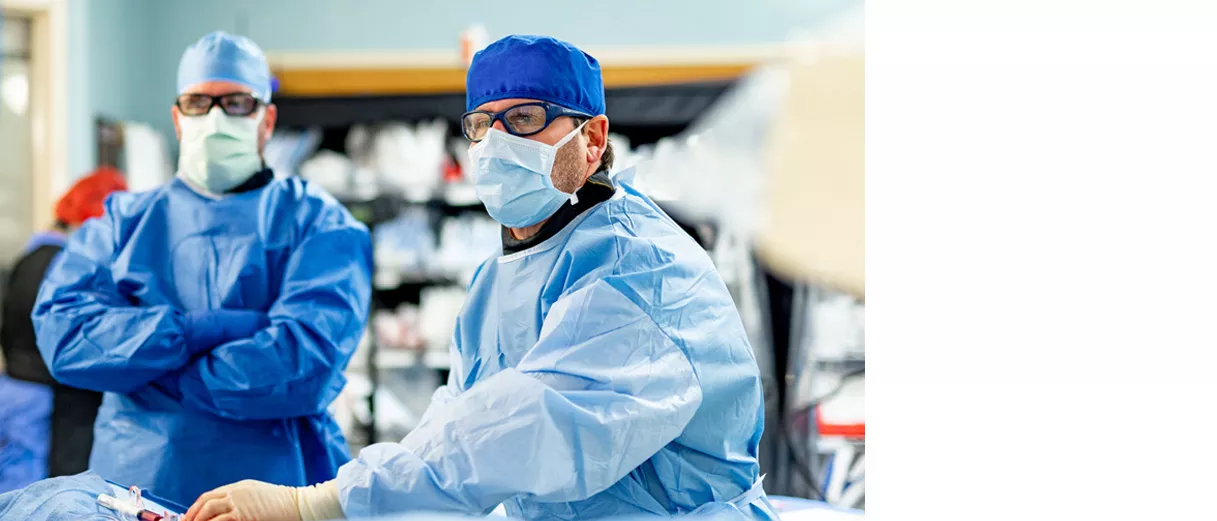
x: 218, y: 151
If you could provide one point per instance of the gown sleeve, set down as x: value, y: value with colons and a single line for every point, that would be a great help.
x: 602, y: 390
x: 294, y: 367
x: 89, y: 334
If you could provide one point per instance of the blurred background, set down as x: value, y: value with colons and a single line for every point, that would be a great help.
x: 369, y: 93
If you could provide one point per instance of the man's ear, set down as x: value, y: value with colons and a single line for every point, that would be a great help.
x: 596, y: 131
x: 268, y: 121
x: 177, y: 127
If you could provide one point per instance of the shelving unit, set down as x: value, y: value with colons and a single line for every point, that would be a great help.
x: 407, y: 289
x: 824, y: 369
x: 399, y: 358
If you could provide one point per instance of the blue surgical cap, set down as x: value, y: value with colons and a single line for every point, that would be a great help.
x: 220, y: 56
x: 535, y: 67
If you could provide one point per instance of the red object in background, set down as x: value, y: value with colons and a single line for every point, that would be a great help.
x: 85, y: 200
x: 452, y: 170
x: 846, y: 430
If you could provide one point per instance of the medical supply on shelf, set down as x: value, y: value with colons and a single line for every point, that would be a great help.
x: 331, y: 170
x: 439, y: 307
x: 399, y: 329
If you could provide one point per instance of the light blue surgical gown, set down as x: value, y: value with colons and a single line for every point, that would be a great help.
x: 110, y: 314
x: 602, y: 372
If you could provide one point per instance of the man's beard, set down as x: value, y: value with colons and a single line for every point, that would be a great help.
x: 569, y: 168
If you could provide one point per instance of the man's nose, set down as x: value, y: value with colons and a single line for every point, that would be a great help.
x: 498, y: 125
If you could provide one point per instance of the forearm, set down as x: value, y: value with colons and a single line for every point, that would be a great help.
x: 293, y: 366
x: 110, y: 348
x: 282, y: 371
x: 319, y: 502
x: 509, y: 435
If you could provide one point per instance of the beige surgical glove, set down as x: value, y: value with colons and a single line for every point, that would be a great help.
x: 319, y: 502
x: 247, y: 500
x: 251, y: 500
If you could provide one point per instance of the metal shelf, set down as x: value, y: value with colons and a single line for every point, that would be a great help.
x: 645, y: 106
x: 402, y: 358
x: 846, y: 362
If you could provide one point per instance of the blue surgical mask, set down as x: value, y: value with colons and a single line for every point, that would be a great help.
x: 512, y: 177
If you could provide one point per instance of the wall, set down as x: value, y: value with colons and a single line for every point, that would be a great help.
x: 133, y: 46
x: 417, y: 24
x: 112, y: 60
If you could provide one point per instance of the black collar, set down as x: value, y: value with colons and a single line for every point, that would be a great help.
x: 597, y: 189
x: 262, y: 178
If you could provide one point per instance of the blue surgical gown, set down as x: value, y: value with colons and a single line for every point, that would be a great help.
x: 110, y: 314
x: 602, y: 372
x: 25, y: 432
x: 71, y: 498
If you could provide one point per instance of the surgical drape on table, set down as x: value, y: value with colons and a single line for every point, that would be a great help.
x: 113, y: 314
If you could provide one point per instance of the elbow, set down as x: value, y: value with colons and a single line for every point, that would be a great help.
x: 78, y: 365
x: 301, y: 404
x: 94, y: 378
x: 63, y: 362
x: 313, y: 394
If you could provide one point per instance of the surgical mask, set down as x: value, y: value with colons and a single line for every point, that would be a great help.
x: 219, y: 152
x: 512, y: 177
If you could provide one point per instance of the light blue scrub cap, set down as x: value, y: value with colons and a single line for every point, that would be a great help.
x: 220, y: 56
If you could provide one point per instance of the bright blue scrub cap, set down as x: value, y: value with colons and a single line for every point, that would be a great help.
x: 535, y: 67
x: 220, y: 56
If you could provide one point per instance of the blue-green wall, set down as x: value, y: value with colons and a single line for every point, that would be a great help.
x: 123, y: 53
x: 112, y: 62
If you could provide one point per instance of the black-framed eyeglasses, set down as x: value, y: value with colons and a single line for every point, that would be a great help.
x: 521, y: 120
x: 233, y: 104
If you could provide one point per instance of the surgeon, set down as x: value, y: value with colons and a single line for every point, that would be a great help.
x: 600, y: 367
x: 217, y: 312
x: 50, y: 416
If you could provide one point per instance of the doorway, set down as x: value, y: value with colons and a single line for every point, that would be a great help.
x: 16, y: 136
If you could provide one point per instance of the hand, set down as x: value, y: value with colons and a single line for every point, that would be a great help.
x: 207, y: 329
x: 247, y: 500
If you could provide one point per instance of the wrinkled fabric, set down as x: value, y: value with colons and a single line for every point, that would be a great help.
x: 69, y: 498
x: 603, y: 372
x: 111, y: 317
x: 535, y: 67
x: 203, y: 330
x: 25, y: 432
x: 220, y: 56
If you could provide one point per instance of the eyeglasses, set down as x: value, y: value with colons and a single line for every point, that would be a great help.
x: 522, y: 120
x: 233, y: 104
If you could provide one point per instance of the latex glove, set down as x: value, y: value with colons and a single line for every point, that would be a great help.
x: 319, y: 502
x: 251, y: 500
x: 207, y: 329
x: 247, y: 500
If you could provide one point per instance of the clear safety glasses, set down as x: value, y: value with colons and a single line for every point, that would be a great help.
x: 522, y: 120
